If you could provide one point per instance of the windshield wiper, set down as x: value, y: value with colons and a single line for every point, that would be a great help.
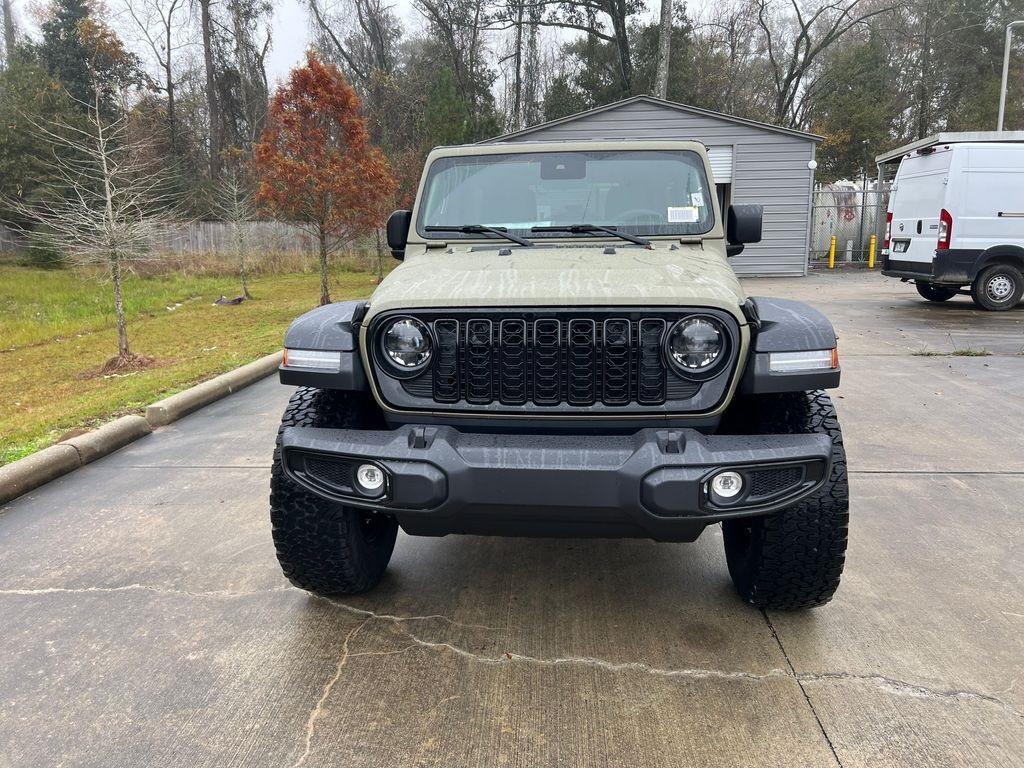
x: 476, y: 229
x: 577, y: 228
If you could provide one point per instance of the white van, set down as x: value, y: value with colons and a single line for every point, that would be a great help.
x: 956, y: 219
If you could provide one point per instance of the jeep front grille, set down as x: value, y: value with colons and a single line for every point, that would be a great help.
x: 549, y: 362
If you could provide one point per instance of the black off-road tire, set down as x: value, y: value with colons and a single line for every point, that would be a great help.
x: 998, y: 288
x: 936, y: 293
x: 325, y: 547
x: 793, y: 558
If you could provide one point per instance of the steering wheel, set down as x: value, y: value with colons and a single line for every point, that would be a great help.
x: 642, y: 213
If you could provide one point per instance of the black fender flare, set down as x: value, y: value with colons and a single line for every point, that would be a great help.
x: 330, y: 328
x: 784, y: 325
x: 999, y: 254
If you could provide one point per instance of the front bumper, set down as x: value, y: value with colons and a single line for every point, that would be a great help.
x: 651, y: 484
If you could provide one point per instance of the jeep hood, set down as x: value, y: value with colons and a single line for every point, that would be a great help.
x: 562, y: 276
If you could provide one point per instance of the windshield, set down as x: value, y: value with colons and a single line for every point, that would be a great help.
x: 644, y: 192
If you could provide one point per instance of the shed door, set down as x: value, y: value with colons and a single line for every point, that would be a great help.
x: 721, y: 164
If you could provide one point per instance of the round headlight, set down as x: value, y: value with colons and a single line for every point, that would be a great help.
x: 406, y: 344
x: 696, y: 344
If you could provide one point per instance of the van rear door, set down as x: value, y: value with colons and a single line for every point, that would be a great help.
x: 919, y: 196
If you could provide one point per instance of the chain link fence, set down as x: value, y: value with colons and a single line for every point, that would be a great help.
x: 852, y: 215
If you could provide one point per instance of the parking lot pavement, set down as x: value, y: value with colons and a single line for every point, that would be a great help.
x: 145, y: 622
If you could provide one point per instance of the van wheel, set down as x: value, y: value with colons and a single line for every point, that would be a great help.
x: 998, y: 288
x: 934, y: 292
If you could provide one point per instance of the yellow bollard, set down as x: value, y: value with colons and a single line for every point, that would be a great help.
x: 871, y: 251
x: 832, y: 253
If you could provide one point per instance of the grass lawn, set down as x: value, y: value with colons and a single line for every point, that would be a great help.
x: 57, y: 330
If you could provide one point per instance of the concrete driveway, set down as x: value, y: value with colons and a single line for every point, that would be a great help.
x: 143, y: 619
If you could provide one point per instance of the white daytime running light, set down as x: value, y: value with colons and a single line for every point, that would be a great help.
x: 312, y: 358
x: 788, y: 362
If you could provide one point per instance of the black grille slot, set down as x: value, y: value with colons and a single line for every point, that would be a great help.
x: 578, y: 361
x: 770, y: 482
x: 547, y: 362
x: 650, y: 370
x: 514, y: 378
x: 479, y: 362
x: 446, y: 367
x: 618, y: 362
x: 582, y: 362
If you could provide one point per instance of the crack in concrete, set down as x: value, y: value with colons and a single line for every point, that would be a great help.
x: 799, y: 682
x: 904, y: 688
x: 889, y: 684
x: 318, y: 709
x: 401, y: 619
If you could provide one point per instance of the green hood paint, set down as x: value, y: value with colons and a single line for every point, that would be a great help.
x: 564, y: 275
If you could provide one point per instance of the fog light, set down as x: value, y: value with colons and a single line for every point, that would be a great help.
x: 370, y: 478
x: 726, y: 484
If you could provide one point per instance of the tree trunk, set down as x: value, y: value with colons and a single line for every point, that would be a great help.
x: 325, y: 294
x: 172, y: 126
x: 380, y: 256
x: 212, y: 100
x: 619, y: 26
x: 243, y: 266
x: 123, y: 352
x: 8, y: 28
x: 517, y: 86
x: 664, y: 50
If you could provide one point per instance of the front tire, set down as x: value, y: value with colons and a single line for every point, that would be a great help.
x: 323, y: 546
x: 793, y: 558
x: 998, y: 288
x: 935, y: 293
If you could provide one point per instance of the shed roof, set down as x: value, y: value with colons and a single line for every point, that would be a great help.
x: 947, y: 138
x: 661, y: 103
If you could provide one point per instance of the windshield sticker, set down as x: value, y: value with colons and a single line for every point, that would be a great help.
x: 697, y: 198
x: 683, y: 215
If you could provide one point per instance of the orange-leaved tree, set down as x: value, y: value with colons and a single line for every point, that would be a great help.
x: 315, y: 164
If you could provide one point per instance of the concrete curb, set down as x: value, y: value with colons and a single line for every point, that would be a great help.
x: 162, y: 413
x: 23, y: 475
x: 26, y: 474
x: 108, y: 438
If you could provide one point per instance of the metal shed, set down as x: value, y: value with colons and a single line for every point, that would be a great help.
x: 753, y: 163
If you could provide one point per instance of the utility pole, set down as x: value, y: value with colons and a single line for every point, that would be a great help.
x: 1006, y: 70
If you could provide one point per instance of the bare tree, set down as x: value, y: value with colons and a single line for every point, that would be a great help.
x: 664, y: 50
x: 726, y: 59
x: 793, y: 44
x: 236, y: 205
x: 247, y: 111
x: 164, y: 25
x: 104, y: 202
x: 361, y: 35
x: 459, y: 26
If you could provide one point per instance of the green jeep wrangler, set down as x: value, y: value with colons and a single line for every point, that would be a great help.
x: 565, y: 351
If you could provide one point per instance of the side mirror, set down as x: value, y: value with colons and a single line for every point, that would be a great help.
x: 398, y: 232
x: 742, y: 227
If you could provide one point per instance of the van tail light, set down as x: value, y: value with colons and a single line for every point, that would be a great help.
x: 945, y: 229
x: 888, y: 230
